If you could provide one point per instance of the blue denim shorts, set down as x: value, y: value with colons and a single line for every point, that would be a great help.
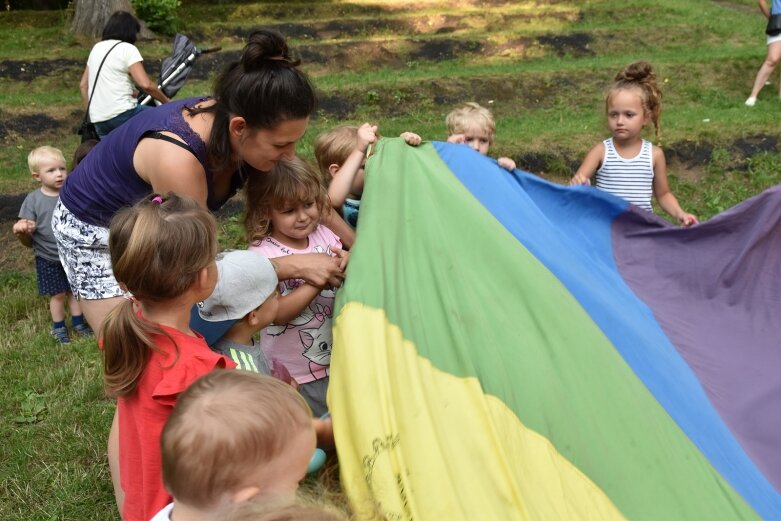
x: 104, y: 127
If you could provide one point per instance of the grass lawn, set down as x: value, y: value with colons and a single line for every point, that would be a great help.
x: 543, y: 68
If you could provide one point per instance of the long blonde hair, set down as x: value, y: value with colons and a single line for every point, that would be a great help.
x: 288, y: 182
x: 158, y: 248
x: 640, y: 76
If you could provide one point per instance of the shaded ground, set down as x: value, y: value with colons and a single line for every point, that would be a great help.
x: 324, y: 52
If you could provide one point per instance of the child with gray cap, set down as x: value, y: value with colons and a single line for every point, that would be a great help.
x: 244, y: 301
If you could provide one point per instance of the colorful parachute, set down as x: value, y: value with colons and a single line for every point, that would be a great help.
x: 506, y: 348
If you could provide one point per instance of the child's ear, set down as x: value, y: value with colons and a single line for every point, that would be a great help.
x: 203, y: 277
x: 245, y: 494
x: 37, y: 176
x: 332, y: 169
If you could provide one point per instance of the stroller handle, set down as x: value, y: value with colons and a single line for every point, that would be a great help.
x: 206, y: 50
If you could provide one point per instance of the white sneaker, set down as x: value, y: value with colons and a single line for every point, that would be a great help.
x: 751, y: 101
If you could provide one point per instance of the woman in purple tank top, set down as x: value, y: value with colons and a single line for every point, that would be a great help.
x: 201, y: 148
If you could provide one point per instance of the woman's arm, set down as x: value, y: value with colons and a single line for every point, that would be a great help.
x: 318, y: 269
x: 84, y: 86
x: 170, y: 168
x: 138, y: 73
x: 662, y: 192
x: 764, y: 8
x: 589, y: 166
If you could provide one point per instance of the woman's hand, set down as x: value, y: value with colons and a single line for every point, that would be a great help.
x: 318, y: 269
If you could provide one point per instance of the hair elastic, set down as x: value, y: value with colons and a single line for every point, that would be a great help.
x: 157, y: 199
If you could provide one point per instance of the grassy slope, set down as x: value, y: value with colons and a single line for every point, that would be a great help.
x: 543, y: 70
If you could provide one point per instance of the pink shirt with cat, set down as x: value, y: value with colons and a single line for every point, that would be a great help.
x: 303, y: 345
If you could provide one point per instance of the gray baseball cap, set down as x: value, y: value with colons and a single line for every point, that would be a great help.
x: 245, y: 279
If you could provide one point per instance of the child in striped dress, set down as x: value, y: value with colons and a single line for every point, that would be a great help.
x: 627, y: 165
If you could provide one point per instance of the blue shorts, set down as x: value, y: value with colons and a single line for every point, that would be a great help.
x: 51, y: 277
x: 104, y: 127
x: 314, y: 393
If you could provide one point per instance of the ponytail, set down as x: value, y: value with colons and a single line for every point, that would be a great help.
x: 265, y: 87
x: 158, y: 248
x: 127, y: 347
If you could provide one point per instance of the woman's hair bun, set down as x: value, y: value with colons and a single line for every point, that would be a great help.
x: 636, y: 72
x: 266, y: 46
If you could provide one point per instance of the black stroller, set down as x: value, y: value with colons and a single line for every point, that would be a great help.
x: 175, y: 69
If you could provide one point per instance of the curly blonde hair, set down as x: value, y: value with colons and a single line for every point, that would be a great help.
x: 287, y: 183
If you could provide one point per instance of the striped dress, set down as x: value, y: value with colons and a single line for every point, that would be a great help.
x: 631, y: 179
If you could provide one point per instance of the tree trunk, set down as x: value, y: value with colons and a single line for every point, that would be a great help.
x: 89, y: 17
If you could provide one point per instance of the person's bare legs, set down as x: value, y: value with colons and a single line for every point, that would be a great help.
x: 57, y: 307
x: 113, y: 461
x: 95, y: 311
x: 770, y: 63
x: 73, y: 305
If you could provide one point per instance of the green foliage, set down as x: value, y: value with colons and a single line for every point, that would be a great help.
x: 159, y: 15
x: 33, y: 408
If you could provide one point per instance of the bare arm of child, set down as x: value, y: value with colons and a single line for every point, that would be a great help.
x: 333, y: 221
x: 324, y: 430
x: 662, y: 192
x: 291, y: 305
x: 589, y: 166
x: 23, y: 229
x: 506, y: 163
x: 411, y: 138
x: 342, y: 177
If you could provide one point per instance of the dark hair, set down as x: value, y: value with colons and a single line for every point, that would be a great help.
x: 264, y: 87
x: 82, y: 150
x: 123, y: 26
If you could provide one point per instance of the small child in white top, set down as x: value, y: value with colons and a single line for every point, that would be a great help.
x: 626, y: 165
